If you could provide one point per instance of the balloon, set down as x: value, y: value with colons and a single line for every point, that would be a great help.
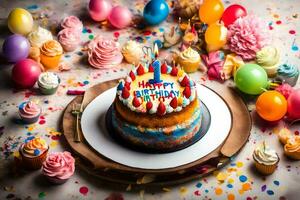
x: 294, y: 105
x: 271, y: 106
x: 120, y: 17
x: 215, y: 36
x: 232, y: 13
x: 211, y: 11
x: 15, y: 48
x: 20, y: 21
x: 99, y: 9
x: 155, y: 12
x: 251, y: 79
x: 25, y: 73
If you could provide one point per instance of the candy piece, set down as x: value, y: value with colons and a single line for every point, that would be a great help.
x: 151, y: 68
x: 174, y: 103
x: 174, y: 71
x: 140, y: 70
x: 132, y: 76
x: 161, y: 109
x: 185, y: 82
x: 164, y: 68
x: 187, y: 92
x: 136, y: 102
x: 149, y: 105
x: 120, y: 86
x: 127, y: 85
x: 125, y: 93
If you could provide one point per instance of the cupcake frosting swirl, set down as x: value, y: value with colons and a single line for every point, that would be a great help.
x: 293, y: 145
x: 51, y: 48
x: 132, y: 50
x: 268, y: 56
x: 69, y: 37
x: 39, y: 36
x: 72, y: 22
x: 35, y: 147
x: 104, y: 53
x: 29, y: 109
x: 265, y: 155
x: 48, y: 80
x: 60, y: 165
x: 190, y: 54
x: 287, y: 70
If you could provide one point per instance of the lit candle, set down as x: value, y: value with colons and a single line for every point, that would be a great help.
x: 156, y: 65
x: 155, y: 51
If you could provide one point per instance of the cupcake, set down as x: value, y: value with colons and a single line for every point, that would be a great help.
x: 266, y: 159
x: 51, y: 52
x: 39, y: 36
x: 292, y: 148
x: 268, y: 58
x: 288, y: 74
x: 172, y: 37
x: 29, y: 112
x: 189, y: 59
x: 104, y: 53
x: 48, y: 82
x: 284, y: 135
x: 58, y: 167
x: 33, y: 152
x: 72, y: 22
x: 132, y: 52
x: 69, y: 38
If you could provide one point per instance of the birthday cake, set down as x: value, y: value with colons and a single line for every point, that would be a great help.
x: 157, y: 108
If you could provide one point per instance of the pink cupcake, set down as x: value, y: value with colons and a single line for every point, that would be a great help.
x: 58, y: 167
x: 72, y: 22
x: 29, y: 112
x: 69, y: 38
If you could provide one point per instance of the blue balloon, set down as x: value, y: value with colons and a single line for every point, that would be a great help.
x: 156, y: 11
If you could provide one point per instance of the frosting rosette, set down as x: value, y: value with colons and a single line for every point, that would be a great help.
x: 48, y: 80
x: 263, y: 154
x: 35, y: 147
x: 51, y: 48
x: 72, y: 22
x: 288, y: 70
x: 29, y: 110
x: 268, y: 56
x: 132, y: 52
x: 69, y: 38
x: 246, y: 36
x: 104, y: 53
x: 190, y: 54
x: 39, y: 36
x: 292, y: 148
x: 59, y: 165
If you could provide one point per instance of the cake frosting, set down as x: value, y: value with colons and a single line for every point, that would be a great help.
x: 34, y: 147
x: 48, y: 80
x: 132, y: 52
x: 69, y: 38
x: 292, y: 148
x: 288, y: 74
x: 72, y: 22
x: 284, y: 135
x: 190, y: 54
x: 39, y: 36
x: 104, y: 53
x: 59, y: 165
x: 268, y: 58
x: 51, y: 48
x: 29, y: 109
x: 263, y: 154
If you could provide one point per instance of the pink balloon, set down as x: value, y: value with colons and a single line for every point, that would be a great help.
x: 294, y: 105
x: 99, y: 9
x: 25, y: 73
x: 120, y: 17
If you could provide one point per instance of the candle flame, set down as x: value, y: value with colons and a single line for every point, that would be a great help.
x: 155, y: 50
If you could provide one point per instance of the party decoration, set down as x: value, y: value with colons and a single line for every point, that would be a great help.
x: 232, y: 13
x: 271, y: 106
x: 20, y: 21
x: 155, y: 12
x: 251, y: 79
x: 211, y: 11
x: 214, y: 62
x: 120, y: 17
x: 15, y: 48
x: 25, y: 73
x: 99, y: 9
x: 294, y: 105
x: 215, y: 36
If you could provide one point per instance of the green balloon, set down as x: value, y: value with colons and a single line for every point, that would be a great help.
x: 251, y: 79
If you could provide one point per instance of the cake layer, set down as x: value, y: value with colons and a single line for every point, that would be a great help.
x: 166, y: 138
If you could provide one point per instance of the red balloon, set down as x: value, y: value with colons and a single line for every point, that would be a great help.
x: 232, y: 13
x: 25, y: 73
x: 294, y: 105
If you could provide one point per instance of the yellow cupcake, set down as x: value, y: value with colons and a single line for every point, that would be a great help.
x: 284, y: 135
x: 292, y: 148
x: 190, y: 60
x: 51, y: 52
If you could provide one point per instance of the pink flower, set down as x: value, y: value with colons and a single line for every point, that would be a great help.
x: 247, y: 36
x: 60, y: 165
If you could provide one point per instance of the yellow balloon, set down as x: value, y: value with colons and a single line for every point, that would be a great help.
x: 20, y: 21
x: 215, y: 36
x: 211, y: 11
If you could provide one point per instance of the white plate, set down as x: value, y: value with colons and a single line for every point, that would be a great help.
x: 95, y: 133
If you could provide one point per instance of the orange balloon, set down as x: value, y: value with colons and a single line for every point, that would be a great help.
x: 211, y: 11
x: 271, y: 106
x: 216, y: 36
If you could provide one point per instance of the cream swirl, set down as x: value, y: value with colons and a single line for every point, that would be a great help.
x: 60, y: 165
x: 288, y: 70
x: 29, y: 109
x: 48, y: 80
x: 190, y: 54
x: 132, y: 51
x: 51, y: 48
x: 104, y: 53
x: 268, y: 56
x: 35, y: 147
x: 72, y: 22
x: 69, y: 38
x: 263, y: 154
x: 39, y: 36
x: 293, y: 145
